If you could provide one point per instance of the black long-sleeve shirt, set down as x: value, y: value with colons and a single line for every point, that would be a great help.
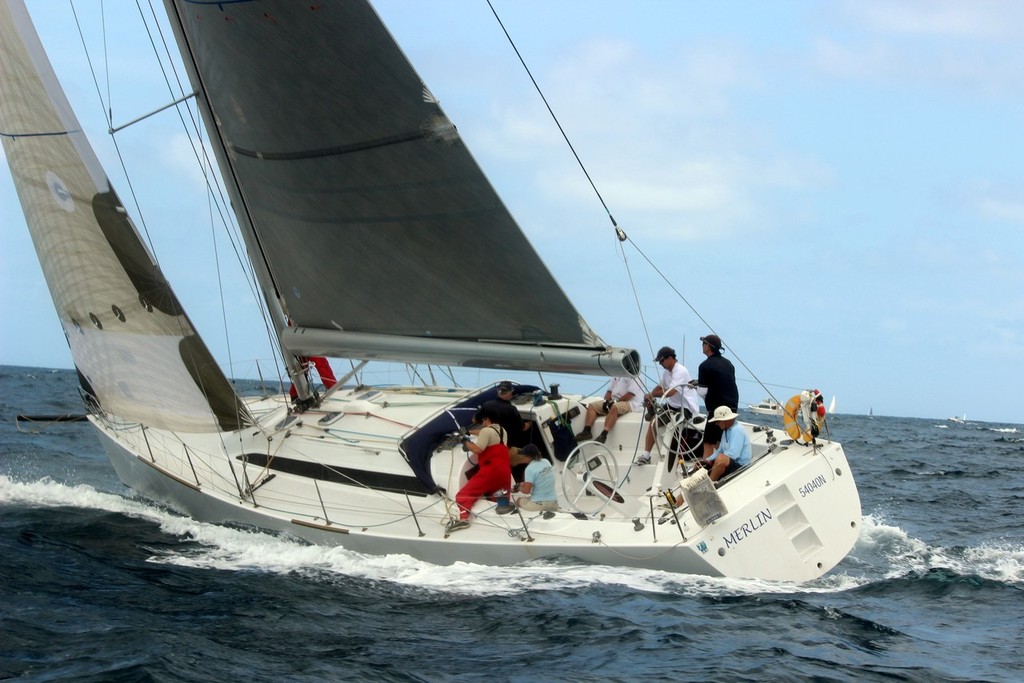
x: 719, y: 376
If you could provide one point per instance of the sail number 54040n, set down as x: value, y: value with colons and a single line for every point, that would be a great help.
x: 808, y: 488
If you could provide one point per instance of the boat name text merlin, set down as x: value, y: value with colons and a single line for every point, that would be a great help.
x: 748, y: 527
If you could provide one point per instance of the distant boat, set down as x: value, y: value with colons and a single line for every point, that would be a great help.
x: 832, y: 406
x: 767, y: 406
x: 958, y: 420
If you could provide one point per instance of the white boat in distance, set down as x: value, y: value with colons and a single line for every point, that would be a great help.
x: 356, y: 160
x: 767, y: 406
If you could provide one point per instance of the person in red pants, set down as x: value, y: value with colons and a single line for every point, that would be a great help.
x: 323, y: 368
x: 495, y: 473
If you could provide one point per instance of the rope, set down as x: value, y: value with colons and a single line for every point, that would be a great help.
x: 551, y: 111
x: 619, y: 233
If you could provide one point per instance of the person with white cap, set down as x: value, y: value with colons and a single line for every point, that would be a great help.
x: 733, y: 451
x: 673, y: 393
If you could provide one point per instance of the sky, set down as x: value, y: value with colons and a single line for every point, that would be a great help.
x: 834, y: 188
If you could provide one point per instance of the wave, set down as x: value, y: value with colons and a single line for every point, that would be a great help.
x: 1001, y: 430
x: 999, y: 562
x: 49, y: 493
x: 882, y: 552
x: 211, y: 546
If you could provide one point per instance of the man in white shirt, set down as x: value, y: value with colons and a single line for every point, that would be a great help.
x: 624, y: 395
x: 673, y: 392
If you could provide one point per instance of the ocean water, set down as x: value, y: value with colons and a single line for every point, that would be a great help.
x: 99, y: 585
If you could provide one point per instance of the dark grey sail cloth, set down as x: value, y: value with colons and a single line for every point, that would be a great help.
x: 370, y: 213
x: 137, y: 354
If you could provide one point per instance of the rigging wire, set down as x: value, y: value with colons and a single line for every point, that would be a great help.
x: 181, y: 321
x: 193, y: 142
x: 215, y: 189
x: 108, y: 112
x: 107, y: 106
x: 106, y: 57
x: 620, y: 234
x: 208, y: 167
x: 636, y: 295
x: 211, y: 199
x: 551, y: 111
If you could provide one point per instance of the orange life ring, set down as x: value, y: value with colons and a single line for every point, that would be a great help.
x: 798, y: 416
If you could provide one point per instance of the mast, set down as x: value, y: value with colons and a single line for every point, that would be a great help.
x: 257, y: 252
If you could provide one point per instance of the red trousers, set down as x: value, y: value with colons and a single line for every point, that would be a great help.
x: 323, y: 368
x: 494, y: 474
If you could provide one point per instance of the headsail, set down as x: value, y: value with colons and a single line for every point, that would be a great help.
x: 370, y: 216
x: 135, y: 349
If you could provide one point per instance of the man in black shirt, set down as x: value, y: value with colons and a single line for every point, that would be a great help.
x: 507, y: 415
x: 716, y: 384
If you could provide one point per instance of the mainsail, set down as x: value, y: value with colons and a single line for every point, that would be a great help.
x: 378, y: 233
x: 137, y: 354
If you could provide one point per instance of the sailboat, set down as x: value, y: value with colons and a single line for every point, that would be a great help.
x: 326, y: 136
x: 766, y: 406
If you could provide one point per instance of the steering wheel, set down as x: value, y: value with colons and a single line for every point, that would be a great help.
x: 590, y: 474
x: 685, y: 450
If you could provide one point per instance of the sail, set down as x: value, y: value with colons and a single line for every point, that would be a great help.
x: 363, y: 204
x: 137, y: 354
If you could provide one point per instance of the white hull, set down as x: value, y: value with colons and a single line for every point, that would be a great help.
x: 766, y: 407
x: 764, y: 411
x: 793, y: 514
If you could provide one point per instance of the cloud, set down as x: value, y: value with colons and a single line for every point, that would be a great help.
x: 970, y: 46
x: 1003, y: 210
x: 661, y: 136
x: 975, y: 69
x: 627, y: 80
x: 991, y: 19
